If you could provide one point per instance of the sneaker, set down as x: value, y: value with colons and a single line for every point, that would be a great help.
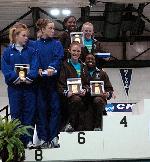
x: 68, y: 128
x: 30, y: 145
x: 54, y: 143
x: 97, y: 129
x: 42, y: 145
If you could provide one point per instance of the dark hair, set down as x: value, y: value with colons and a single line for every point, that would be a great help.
x: 66, y: 19
x: 42, y: 23
x: 91, y: 55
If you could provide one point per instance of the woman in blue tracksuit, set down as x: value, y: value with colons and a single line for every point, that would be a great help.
x: 21, y: 88
x: 50, y: 52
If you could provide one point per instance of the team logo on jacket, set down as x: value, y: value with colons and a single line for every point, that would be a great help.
x: 97, y: 76
x: 126, y: 78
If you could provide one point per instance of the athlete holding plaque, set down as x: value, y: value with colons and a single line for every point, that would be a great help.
x: 20, y: 69
x: 98, y: 76
x: 73, y: 69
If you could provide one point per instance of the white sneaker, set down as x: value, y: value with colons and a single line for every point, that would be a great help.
x: 68, y: 128
x: 97, y: 129
x: 43, y: 144
x: 30, y: 145
x: 54, y: 143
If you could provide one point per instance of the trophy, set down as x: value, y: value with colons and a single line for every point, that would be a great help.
x: 74, y: 85
x: 77, y: 37
x: 22, y: 70
x: 97, y: 88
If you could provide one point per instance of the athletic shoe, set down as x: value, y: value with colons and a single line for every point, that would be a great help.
x: 30, y: 145
x: 54, y: 143
x: 68, y: 128
x: 42, y: 145
x: 97, y: 129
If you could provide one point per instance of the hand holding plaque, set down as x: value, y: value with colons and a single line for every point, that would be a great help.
x: 97, y: 88
x: 74, y: 85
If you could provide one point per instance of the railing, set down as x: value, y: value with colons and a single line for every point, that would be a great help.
x: 7, y: 113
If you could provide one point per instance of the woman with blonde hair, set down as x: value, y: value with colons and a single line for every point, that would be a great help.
x: 20, y: 69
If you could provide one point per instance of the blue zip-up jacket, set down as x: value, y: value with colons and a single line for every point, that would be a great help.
x: 50, y: 53
x: 12, y: 56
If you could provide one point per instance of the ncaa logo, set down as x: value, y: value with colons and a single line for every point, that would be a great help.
x: 109, y: 107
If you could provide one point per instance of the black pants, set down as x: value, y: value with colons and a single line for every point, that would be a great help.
x: 94, y: 112
x: 98, y: 107
x: 76, y: 109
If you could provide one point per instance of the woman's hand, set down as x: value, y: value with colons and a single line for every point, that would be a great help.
x: 69, y: 94
x: 82, y: 92
x: 50, y: 72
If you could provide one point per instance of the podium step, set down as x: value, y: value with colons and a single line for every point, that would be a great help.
x: 124, y: 136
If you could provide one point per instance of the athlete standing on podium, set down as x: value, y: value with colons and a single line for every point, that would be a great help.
x: 21, y: 86
x: 50, y: 52
x: 98, y: 103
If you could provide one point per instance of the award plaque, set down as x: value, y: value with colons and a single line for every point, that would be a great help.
x: 97, y: 88
x: 103, y: 55
x: 22, y: 70
x: 74, y: 85
x: 77, y: 37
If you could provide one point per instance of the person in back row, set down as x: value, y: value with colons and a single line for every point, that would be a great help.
x: 91, y: 45
x: 69, y: 25
x: 73, y: 68
x: 97, y: 103
x: 50, y: 52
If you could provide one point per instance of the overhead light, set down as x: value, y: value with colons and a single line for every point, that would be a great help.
x: 66, y: 12
x: 55, y: 12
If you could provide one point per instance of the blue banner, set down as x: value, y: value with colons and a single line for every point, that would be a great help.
x: 119, y: 107
x: 126, y: 78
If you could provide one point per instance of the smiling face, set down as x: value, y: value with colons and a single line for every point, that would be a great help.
x: 75, y: 52
x: 71, y: 24
x: 48, y: 31
x: 87, y: 30
x: 90, y: 61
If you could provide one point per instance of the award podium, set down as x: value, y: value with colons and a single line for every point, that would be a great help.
x: 125, y: 135
x: 77, y: 37
x: 97, y: 88
x: 22, y: 70
x: 74, y: 85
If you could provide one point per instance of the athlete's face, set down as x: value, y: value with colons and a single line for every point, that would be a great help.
x: 75, y: 52
x: 88, y: 31
x: 48, y: 31
x: 71, y: 24
x: 22, y: 37
x: 90, y: 61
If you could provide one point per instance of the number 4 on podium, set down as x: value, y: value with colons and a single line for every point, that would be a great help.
x: 124, y: 121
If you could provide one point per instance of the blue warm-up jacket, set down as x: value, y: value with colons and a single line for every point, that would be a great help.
x: 50, y: 52
x: 12, y: 56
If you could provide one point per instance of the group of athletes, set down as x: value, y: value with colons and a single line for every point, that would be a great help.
x: 41, y: 97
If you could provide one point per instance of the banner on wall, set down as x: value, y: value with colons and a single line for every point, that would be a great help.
x: 126, y: 79
x: 119, y: 107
